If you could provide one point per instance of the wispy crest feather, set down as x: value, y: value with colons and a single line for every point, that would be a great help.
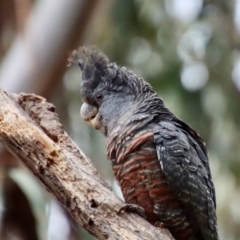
x: 88, y: 57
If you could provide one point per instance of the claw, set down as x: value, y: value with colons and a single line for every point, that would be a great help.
x: 133, y: 208
x: 159, y: 225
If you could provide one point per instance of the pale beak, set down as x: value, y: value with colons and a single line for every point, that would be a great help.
x: 88, y: 112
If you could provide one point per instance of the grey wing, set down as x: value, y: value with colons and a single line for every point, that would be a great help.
x: 187, y: 171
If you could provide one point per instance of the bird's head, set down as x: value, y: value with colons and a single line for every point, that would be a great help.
x: 105, y: 88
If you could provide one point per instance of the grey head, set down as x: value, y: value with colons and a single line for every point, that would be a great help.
x: 107, y: 91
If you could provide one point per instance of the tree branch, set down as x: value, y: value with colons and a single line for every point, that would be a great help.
x: 34, y: 134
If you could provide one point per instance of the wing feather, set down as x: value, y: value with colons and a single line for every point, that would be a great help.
x: 186, y: 168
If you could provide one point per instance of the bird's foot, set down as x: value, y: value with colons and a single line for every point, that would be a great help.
x: 133, y: 208
x: 159, y: 225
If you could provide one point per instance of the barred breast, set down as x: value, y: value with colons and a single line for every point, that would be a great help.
x: 138, y: 171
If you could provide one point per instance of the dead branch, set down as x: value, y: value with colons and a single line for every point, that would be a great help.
x: 35, y: 135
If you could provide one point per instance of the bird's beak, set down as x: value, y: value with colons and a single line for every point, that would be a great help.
x: 89, y: 113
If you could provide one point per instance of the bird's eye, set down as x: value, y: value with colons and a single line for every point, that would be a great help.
x: 99, y: 97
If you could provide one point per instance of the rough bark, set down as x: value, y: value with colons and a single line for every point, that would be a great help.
x: 35, y: 135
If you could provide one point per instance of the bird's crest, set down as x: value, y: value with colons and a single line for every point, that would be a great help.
x: 93, y: 64
x: 88, y: 57
x: 96, y: 68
